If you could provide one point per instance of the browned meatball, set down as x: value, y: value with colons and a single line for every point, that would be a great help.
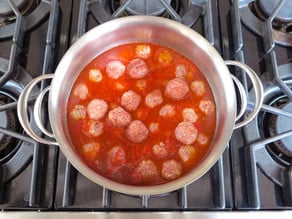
x: 137, y: 68
x: 137, y: 132
x: 130, y: 100
x: 186, y: 133
x: 118, y: 117
x: 171, y: 169
x: 176, y: 89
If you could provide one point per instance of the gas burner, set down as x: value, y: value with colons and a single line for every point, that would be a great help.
x: 267, y: 7
x: 7, y: 15
x: 282, y: 21
x: 255, y: 12
x: 272, y: 154
x: 145, y: 7
x: 9, y: 93
x: 277, y: 124
x: 8, y: 120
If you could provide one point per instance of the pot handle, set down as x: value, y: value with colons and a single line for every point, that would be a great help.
x: 258, y: 90
x: 23, y: 113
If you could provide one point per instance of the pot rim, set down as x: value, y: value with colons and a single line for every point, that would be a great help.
x: 79, y: 164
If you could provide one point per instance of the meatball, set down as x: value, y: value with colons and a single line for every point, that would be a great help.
x: 95, y: 75
x: 165, y: 57
x: 91, y: 150
x: 176, y: 89
x: 154, y: 98
x: 206, y: 106
x: 198, y: 87
x: 181, y: 71
x: 159, y: 150
x: 130, y: 100
x: 186, y: 152
x: 189, y: 115
x: 118, y: 117
x: 186, y: 133
x: 202, y: 139
x: 96, y: 109
x: 143, y: 51
x: 145, y: 171
x: 116, y: 156
x: 137, y: 132
x: 94, y: 128
x: 78, y: 112
x: 81, y: 91
x: 171, y: 169
x: 115, y: 69
x: 137, y: 69
x: 154, y: 127
x: 167, y: 111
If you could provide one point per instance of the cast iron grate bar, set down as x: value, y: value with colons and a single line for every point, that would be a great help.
x: 69, y: 185
x: 39, y: 150
x: 218, y: 184
x: 17, y: 41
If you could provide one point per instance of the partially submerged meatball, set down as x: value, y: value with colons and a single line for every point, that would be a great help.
x: 143, y: 51
x: 154, y: 127
x: 198, y: 87
x: 189, y: 115
x: 186, y: 133
x: 96, y: 109
x: 78, y: 112
x: 94, y: 128
x: 181, y: 71
x: 145, y: 171
x: 91, y: 150
x: 186, y: 152
x: 115, y: 69
x: 171, y: 169
x: 95, y: 75
x: 130, y: 100
x: 81, y: 91
x: 207, y: 106
x: 118, y: 117
x: 160, y: 150
x: 176, y: 89
x: 137, y: 132
x: 154, y: 98
x: 116, y: 156
x: 167, y: 111
x: 137, y: 68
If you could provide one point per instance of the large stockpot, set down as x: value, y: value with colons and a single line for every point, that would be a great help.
x: 141, y: 29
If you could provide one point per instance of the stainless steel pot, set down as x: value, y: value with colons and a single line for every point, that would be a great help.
x: 141, y: 29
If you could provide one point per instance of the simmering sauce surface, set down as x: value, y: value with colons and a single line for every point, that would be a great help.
x: 141, y: 114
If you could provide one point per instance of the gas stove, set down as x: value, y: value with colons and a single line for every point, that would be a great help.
x: 253, y: 175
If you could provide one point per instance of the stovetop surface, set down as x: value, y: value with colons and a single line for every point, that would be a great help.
x: 254, y: 172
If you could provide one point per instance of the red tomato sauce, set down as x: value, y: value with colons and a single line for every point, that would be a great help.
x: 109, y: 152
